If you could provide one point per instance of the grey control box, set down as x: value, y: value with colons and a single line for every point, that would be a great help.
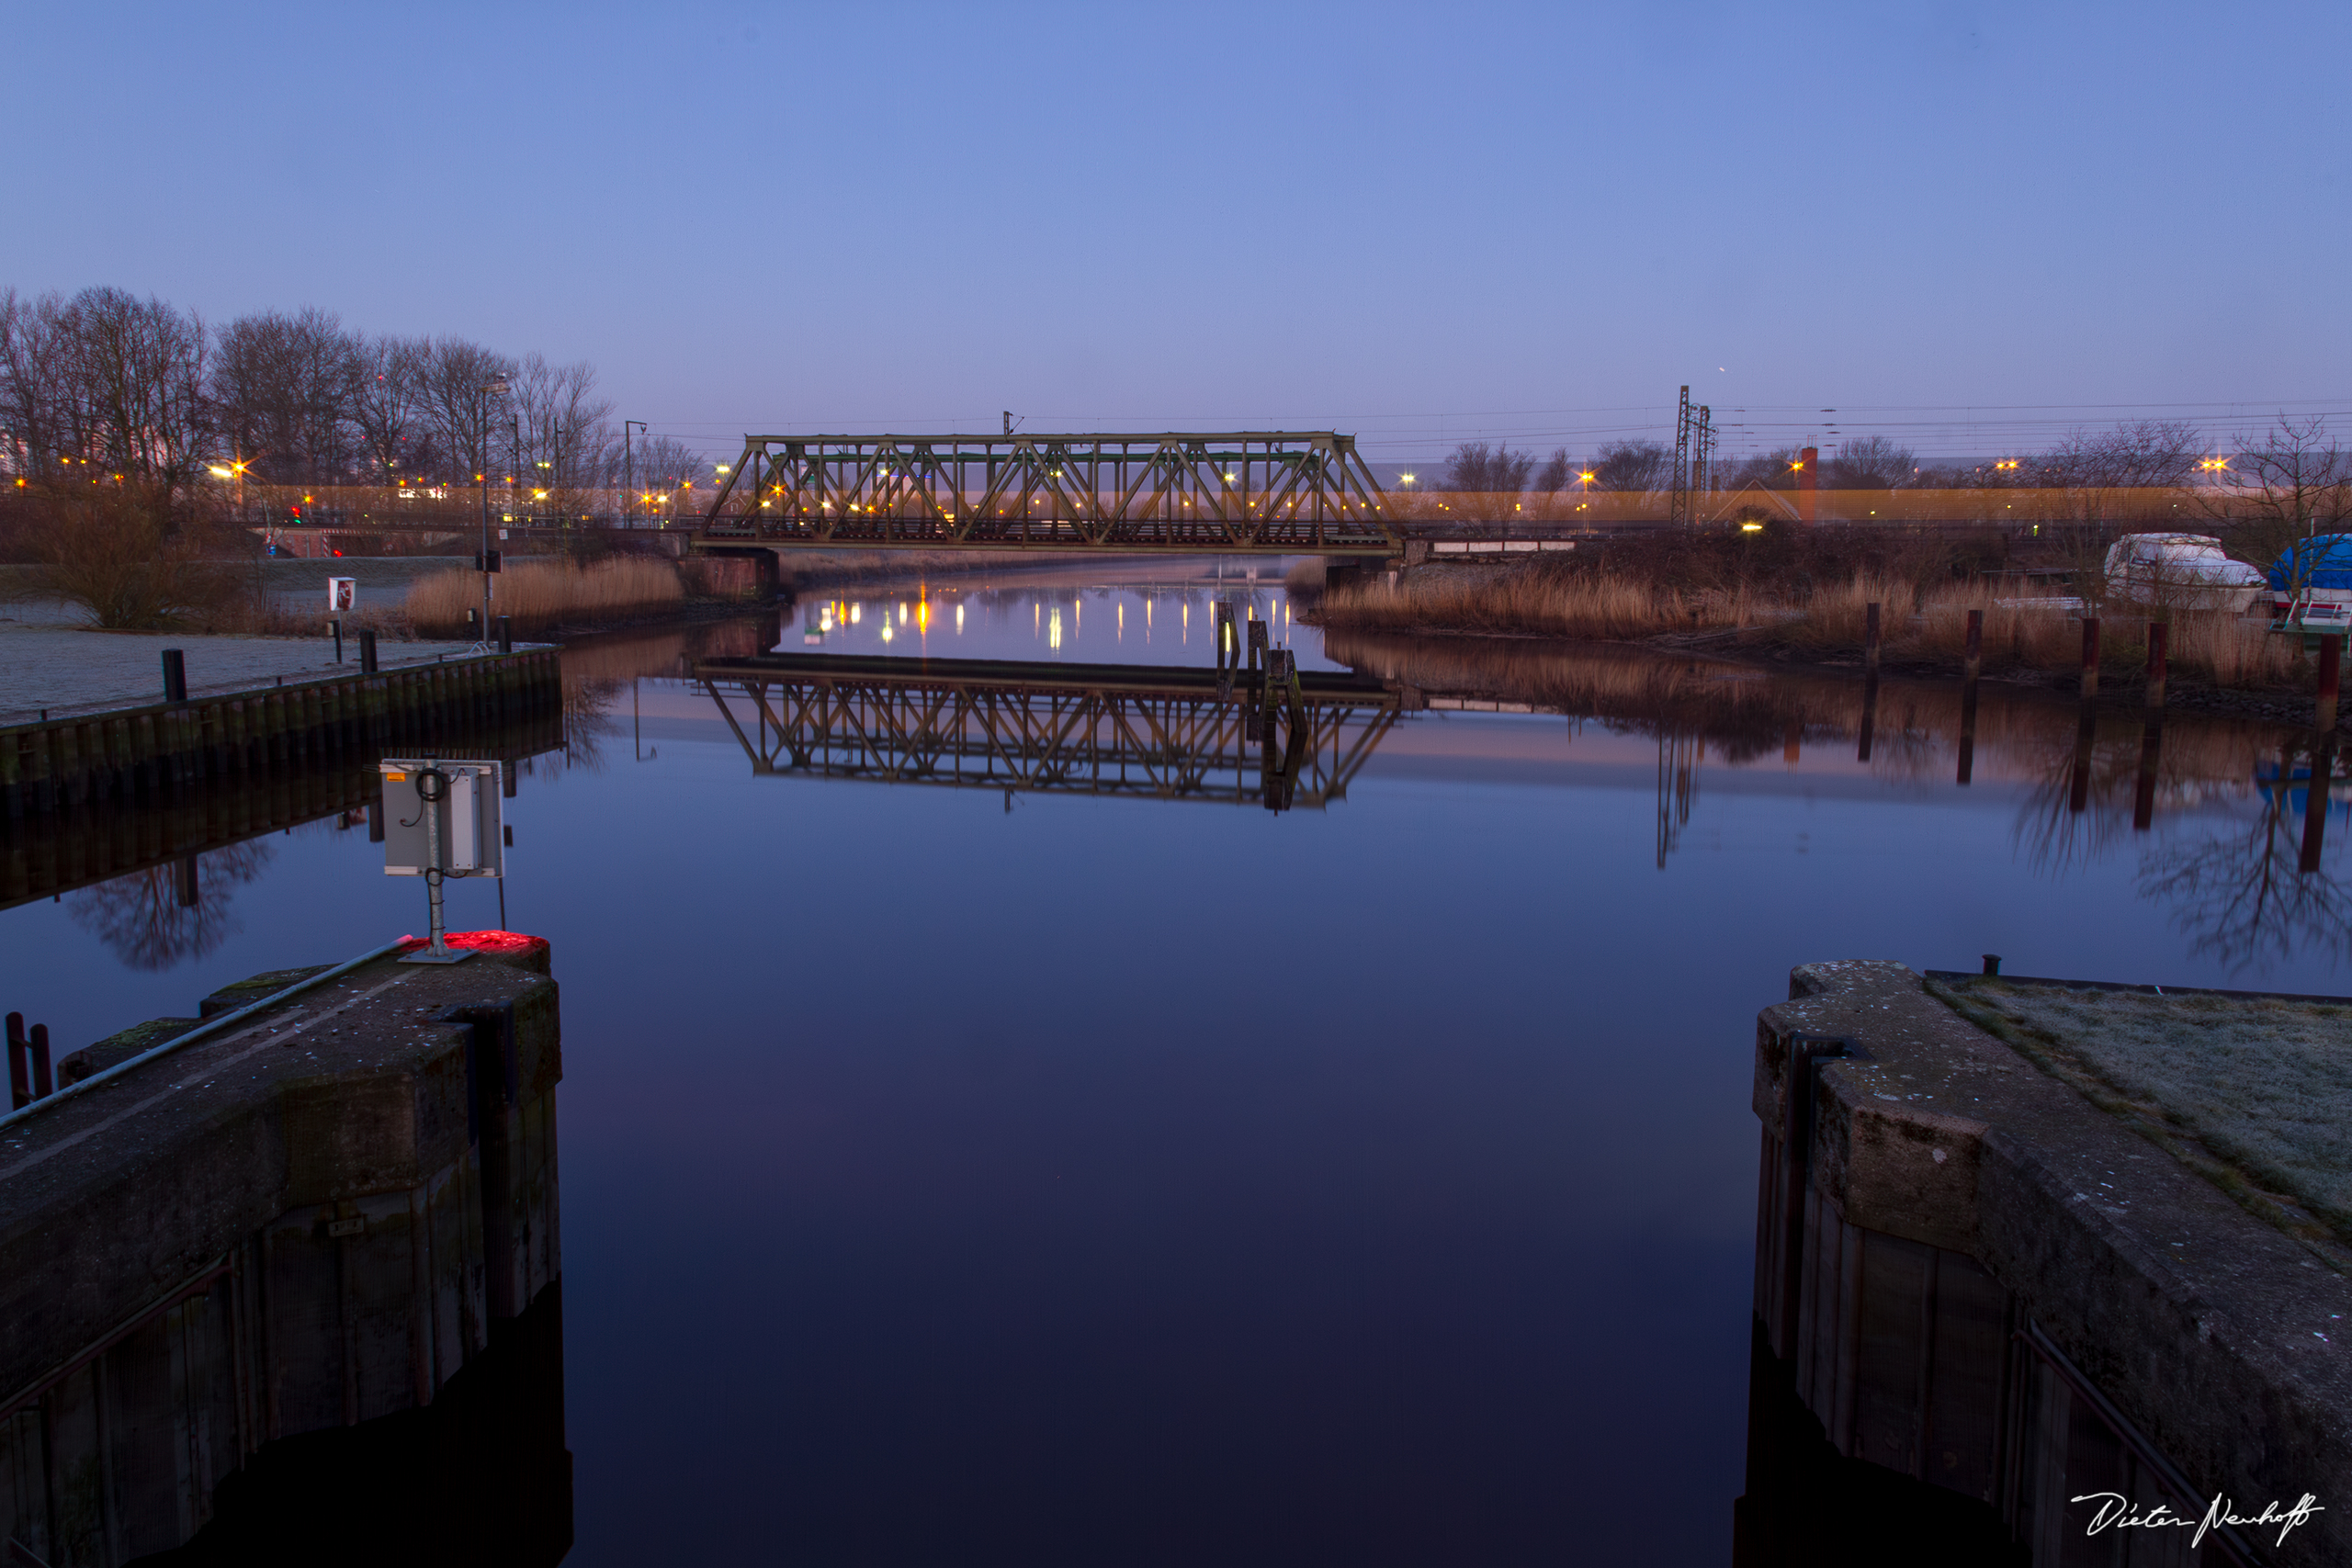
x: 469, y: 798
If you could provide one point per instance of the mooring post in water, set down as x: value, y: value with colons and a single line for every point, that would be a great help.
x: 1971, y: 665
x: 20, y: 1088
x: 174, y: 676
x: 505, y: 634
x: 367, y: 652
x: 1253, y: 700
x: 2090, y: 657
x: 2085, y: 733
x: 2315, y: 800
x: 1992, y: 962
x: 2157, y: 636
x: 2151, y: 745
x: 44, y: 1083
x: 1227, y: 654
x: 183, y: 885
x: 1869, y: 640
x: 2331, y: 658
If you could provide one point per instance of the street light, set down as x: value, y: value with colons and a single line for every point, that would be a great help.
x: 493, y: 388
x: 628, y: 467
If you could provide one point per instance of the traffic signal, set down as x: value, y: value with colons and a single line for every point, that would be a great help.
x: 293, y: 514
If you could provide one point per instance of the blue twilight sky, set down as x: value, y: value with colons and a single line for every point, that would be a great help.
x: 1967, y: 225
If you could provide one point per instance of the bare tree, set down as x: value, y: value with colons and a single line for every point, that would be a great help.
x: 469, y: 422
x: 141, y: 366
x: 562, y: 430
x: 1776, y: 470
x: 39, y: 404
x: 1632, y: 467
x: 282, y: 394
x: 664, y: 466
x: 1497, y: 470
x: 388, y: 404
x: 2138, y: 470
x: 1553, y: 477
x: 2240, y: 897
x: 140, y: 916
x: 1869, y: 463
x: 2294, y: 485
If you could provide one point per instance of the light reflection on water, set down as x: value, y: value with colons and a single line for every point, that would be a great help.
x: 1372, y: 1183
x: 1056, y: 615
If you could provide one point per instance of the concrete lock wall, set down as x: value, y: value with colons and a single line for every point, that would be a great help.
x: 321, y: 1235
x: 753, y: 576
x: 1955, y: 1305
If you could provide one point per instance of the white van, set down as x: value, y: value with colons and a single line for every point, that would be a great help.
x: 2180, y: 572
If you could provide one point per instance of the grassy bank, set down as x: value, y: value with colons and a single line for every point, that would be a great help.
x: 539, y: 598
x: 1923, y: 625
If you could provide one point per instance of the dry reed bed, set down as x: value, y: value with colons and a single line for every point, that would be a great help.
x: 537, y: 599
x: 1931, y: 625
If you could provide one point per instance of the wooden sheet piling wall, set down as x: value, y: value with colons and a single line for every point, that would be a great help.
x: 165, y: 751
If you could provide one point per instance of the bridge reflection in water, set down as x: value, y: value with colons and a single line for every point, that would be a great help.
x: 1274, y: 735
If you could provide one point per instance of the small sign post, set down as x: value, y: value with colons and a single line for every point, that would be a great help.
x: 342, y: 595
x: 443, y: 817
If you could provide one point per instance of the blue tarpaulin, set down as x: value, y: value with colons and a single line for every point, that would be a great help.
x: 2325, y: 563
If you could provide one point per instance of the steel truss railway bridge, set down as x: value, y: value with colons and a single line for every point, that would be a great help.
x: 1229, y: 492
x: 1273, y: 735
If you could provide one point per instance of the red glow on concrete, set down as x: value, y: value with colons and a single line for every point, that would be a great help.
x: 506, y: 944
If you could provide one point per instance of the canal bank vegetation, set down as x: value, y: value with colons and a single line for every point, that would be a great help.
x: 123, y: 553
x: 1790, y: 594
x: 539, y: 598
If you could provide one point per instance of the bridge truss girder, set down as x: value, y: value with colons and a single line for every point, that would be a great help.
x: 1151, y: 739
x: 1283, y: 493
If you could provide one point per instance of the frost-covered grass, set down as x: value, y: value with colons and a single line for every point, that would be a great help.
x: 2264, y: 1088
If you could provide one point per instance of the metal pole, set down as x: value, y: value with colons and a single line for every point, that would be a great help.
x: 432, y: 814
x: 628, y: 466
x: 483, y: 477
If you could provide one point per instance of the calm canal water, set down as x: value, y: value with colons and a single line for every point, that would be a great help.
x: 957, y: 1177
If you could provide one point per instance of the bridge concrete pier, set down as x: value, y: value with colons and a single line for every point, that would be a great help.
x: 311, y: 1219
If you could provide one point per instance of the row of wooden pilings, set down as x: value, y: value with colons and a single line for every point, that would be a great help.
x: 166, y: 749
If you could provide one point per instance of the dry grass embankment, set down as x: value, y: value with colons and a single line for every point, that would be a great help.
x: 538, y: 599
x: 1925, y: 625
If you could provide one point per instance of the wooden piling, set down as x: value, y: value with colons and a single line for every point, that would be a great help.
x: 2090, y: 657
x: 1971, y: 665
x: 1869, y: 640
x: 2315, y: 798
x: 2156, y: 639
x: 2331, y: 657
x: 159, y: 751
